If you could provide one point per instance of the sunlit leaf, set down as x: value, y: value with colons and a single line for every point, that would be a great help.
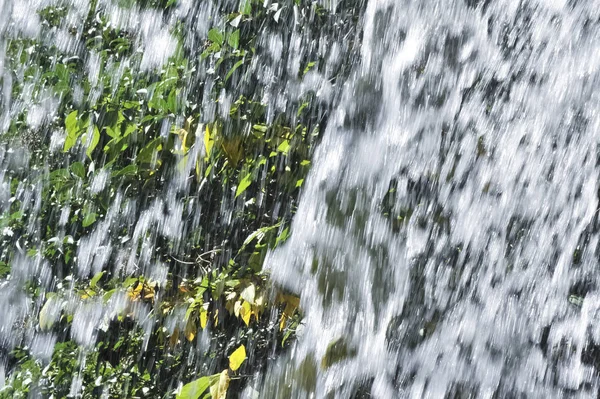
x: 284, y: 146
x: 248, y: 293
x: 237, y: 358
x: 194, y: 389
x: 96, y: 278
x: 72, y: 131
x: 244, y: 184
x: 203, y: 318
x: 208, y: 142
x: 246, y: 312
x: 134, y: 293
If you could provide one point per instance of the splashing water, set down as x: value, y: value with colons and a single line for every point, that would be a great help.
x: 445, y: 243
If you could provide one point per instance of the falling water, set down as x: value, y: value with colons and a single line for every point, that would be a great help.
x: 448, y: 231
x: 445, y: 243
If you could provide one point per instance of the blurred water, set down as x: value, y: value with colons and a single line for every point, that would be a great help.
x: 436, y: 237
x: 446, y: 240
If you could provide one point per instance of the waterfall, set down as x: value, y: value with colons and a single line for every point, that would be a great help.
x: 446, y: 242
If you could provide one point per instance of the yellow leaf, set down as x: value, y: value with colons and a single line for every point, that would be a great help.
x: 174, y: 338
x: 237, y: 358
x: 219, y: 389
x: 282, y: 322
x: 134, y: 293
x: 190, y: 330
x: 255, y: 311
x: 183, y: 137
x: 246, y: 312
x: 203, y: 318
x: 291, y: 305
x: 208, y: 142
x: 236, y: 308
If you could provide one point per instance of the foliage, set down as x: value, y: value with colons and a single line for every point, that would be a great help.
x: 149, y: 197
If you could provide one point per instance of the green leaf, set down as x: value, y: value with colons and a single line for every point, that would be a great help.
x: 309, y: 66
x: 284, y: 147
x: 95, y: 279
x: 260, y: 128
x: 237, y: 358
x: 108, y: 295
x: 94, y: 143
x: 232, y: 70
x: 129, y: 170
x: 89, y: 219
x: 244, y: 184
x: 260, y: 233
x: 78, y: 170
x: 194, y: 389
x: 72, y: 131
x: 246, y: 7
x: 234, y: 39
x: 283, y: 236
x: 215, y: 36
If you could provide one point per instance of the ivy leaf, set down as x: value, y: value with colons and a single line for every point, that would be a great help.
x: 244, y: 184
x: 194, y: 389
x: 237, y: 358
